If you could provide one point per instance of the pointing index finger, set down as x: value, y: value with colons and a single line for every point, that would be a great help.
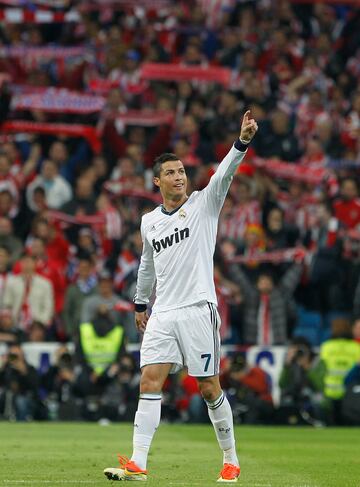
x: 246, y: 116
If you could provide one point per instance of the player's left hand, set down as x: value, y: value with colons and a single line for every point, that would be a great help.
x: 248, y: 128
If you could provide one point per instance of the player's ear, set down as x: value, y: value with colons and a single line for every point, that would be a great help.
x: 156, y: 181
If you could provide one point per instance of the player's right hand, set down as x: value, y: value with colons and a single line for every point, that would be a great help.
x: 140, y: 320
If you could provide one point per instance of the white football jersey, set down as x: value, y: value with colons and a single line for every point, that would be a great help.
x: 178, y: 246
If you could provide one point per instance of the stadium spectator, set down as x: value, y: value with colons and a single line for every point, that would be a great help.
x: 8, y: 332
x: 104, y: 297
x: 347, y: 207
x: 29, y: 296
x: 47, y: 268
x: 301, y: 384
x: 59, y: 383
x: 57, y: 247
x: 339, y: 354
x: 249, y: 392
x: 100, y: 344
x: 9, y: 240
x: 268, y: 309
x: 277, y: 138
x: 120, y: 396
x: 326, y: 274
x: 189, y: 402
x: 19, y: 388
x: 279, y: 235
x: 57, y: 190
x: 83, y: 201
x: 83, y: 287
x: 68, y: 165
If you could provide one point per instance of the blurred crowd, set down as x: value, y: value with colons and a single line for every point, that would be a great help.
x: 287, y: 259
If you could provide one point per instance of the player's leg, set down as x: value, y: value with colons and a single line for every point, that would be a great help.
x: 146, y: 422
x: 221, y: 416
x: 147, y: 417
x: 159, y: 354
x: 199, y: 336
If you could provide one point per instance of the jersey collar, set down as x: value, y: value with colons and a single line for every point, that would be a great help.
x: 169, y: 213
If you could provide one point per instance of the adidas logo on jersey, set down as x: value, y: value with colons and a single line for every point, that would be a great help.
x: 168, y: 241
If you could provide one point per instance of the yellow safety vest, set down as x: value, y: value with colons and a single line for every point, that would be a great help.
x: 339, y: 355
x: 100, y: 352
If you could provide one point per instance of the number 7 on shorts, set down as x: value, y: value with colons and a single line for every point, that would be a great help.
x: 207, y: 356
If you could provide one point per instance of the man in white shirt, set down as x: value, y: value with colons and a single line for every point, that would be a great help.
x: 183, y: 330
x: 57, y: 190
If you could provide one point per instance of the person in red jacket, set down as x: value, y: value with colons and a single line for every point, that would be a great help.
x: 249, y: 391
x: 50, y: 269
x: 347, y: 207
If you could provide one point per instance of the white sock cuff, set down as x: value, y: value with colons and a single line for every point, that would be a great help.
x: 150, y: 397
x: 217, y: 403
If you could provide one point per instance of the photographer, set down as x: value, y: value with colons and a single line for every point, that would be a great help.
x: 301, y: 383
x: 249, y: 392
x: 59, y: 382
x: 19, y: 388
x: 120, y: 398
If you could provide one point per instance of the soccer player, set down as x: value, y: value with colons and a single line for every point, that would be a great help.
x: 183, y: 330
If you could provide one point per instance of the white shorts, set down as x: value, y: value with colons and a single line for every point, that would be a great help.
x: 187, y: 337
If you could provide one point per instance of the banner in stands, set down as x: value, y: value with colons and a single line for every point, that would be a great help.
x: 41, y: 53
x: 72, y: 130
x: 179, y: 72
x: 21, y: 16
x: 40, y: 3
x: 121, y: 4
x: 55, y: 100
x: 270, y: 359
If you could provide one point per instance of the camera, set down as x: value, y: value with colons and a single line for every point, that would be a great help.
x: 301, y: 352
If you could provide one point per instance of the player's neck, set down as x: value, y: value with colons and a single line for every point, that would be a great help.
x: 170, y: 204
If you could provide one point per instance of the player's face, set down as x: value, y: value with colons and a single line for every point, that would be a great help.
x: 172, y: 181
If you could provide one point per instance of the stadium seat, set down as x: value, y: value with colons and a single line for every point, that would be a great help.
x: 312, y: 334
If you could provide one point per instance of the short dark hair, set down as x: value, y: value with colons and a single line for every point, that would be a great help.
x: 160, y: 160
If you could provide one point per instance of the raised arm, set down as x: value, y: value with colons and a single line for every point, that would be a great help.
x: 219, y: 184
x: 145, y: 283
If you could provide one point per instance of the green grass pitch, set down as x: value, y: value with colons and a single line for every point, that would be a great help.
x: 55, y: 454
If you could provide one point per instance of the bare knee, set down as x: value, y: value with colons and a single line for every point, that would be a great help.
x: 153, y: 378
x: 210, y: 388
x: 150, y: 384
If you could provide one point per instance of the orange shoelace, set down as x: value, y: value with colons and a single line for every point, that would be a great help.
x: 122, y: 460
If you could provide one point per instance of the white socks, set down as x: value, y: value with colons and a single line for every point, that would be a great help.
x: 147, y: 419
x: 222, y: 419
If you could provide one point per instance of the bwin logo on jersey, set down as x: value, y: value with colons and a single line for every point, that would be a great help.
x: 168, y: 241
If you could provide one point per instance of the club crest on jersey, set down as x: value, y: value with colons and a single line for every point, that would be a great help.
x: 182, y: 214
x: 170, y: 240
